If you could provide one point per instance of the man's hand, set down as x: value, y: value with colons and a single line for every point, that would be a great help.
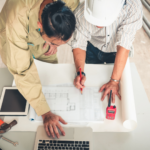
x: 111, y: 85
x: 51, y: 122
x: 120, y: 62
x: 79, y: 84
x: 51, y: 51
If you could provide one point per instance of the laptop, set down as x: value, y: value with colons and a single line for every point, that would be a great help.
x: 76, y: 138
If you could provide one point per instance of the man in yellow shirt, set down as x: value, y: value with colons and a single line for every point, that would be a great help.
x: 35, y: 28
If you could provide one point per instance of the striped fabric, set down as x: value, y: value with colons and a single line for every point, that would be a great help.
x: 121, y: 32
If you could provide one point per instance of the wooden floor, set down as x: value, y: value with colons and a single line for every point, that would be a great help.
x: 141, y: 56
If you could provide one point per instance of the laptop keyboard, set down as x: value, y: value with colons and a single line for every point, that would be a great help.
x: 63, y: 145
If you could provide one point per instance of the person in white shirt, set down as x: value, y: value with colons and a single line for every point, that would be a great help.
x: 104, y: 33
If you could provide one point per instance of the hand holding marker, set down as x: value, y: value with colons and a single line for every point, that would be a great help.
x: 80, y: 78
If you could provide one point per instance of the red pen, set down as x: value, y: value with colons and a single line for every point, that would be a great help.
x: 80, y: 78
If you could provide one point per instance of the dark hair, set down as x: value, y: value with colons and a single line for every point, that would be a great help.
x: 58, y: 20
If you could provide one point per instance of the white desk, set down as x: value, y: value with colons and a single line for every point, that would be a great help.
x: 135, y: 140
x: 2, y: 3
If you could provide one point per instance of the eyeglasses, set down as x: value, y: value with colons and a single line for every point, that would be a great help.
x: 50, y: 43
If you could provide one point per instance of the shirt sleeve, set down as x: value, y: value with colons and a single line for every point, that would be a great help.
x: 21, y: 64
x: 127, y: 30
x: 72, y: 4
x: 81, y: 35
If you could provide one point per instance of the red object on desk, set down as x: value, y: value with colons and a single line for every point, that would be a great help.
x: 1, y: 122
x: 80, y: 78
x: 110, y: 110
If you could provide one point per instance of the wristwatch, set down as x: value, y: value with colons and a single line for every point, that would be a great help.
x: 78, y: 73
x: 114, y: 80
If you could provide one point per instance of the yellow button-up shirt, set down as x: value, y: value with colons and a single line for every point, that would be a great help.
x: 19, y: 42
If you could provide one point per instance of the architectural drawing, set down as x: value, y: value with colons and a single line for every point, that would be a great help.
x: 59, y: 101
x: 72, y: 106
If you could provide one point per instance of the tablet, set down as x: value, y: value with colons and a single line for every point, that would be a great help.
x: 12, y: 103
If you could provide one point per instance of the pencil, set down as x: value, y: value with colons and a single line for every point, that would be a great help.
x: 80, y: 78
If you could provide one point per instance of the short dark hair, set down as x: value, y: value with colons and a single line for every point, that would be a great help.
x: 58, y: 20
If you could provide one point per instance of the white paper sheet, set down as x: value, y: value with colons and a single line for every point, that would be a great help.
x: 97, y: 75
x: 73, y: 106
x: 128, y: 112
x: 127, y: 103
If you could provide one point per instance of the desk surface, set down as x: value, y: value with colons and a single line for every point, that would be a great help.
x: 135, y: 140
x: 2, y: 3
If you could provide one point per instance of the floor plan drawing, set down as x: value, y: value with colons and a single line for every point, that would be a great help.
x: 59, y: 101
x: 72, y: 106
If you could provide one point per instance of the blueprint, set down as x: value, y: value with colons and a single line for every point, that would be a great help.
x: 60, y: 75
x: 71, y: 105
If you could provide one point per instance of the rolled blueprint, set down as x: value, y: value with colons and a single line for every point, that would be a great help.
x: 127, y: 103
x: 32, y: 114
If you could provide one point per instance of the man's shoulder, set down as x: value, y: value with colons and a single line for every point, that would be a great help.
x: 79, y: 12
x: 72, y: 4
x: 133, y: 5
x: 131, y: 8
x: 14, y: 8
x: 17, y: 5
x: 81, y: 21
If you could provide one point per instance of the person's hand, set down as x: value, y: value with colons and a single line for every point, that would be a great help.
x: 111, y: 85
x: 79, y: 84
x: 51, y: 50
x: 51, y: 123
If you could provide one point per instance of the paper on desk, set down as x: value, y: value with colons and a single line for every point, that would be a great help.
x: 126, y: 114
x: 73, y: 106
x: 127, y: 104
x: 97, y: 75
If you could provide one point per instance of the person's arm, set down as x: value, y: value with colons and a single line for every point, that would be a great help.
x: 120, y: 62
x: 125, y: 36
x: 20, y: 63
x: 82, y: 35
x: 79, y: 58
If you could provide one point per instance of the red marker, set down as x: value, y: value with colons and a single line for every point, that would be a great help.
x: 80, y: 78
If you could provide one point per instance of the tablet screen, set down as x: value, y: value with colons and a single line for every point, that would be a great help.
x: 13, y: 101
